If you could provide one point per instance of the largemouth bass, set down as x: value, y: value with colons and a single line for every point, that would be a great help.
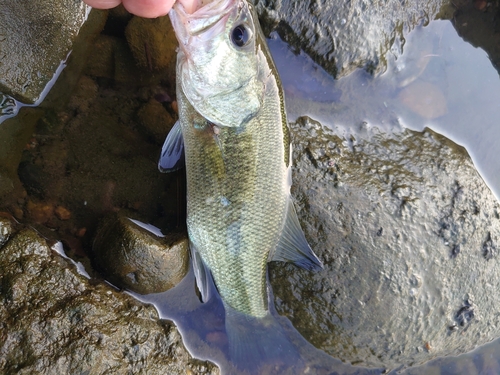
x: 234, y: 136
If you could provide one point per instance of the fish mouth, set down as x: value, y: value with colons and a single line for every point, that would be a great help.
x: 206, y: 17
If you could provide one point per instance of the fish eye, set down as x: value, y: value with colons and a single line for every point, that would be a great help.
x: 240, y: 35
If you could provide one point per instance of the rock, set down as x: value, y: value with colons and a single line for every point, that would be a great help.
x: 409, y: 234
x: 6, y: 185
x: 5, y: 230
x: 134, y: 258
x: 125, y: 68
x: 62, y: 213
x: 344, y: 35
x: 15, y: 133
x: 40, y: 212
x: 152, y: 42
x: 111, y: 58
x: 34, y: 38
x: 82, y: 98
x: 55, y: 321
x: 155, y: 120
x: 101, y: 60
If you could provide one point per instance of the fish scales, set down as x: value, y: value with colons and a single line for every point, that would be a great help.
x: 237, y: 192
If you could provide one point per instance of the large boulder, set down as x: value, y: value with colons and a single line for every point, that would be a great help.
x: 35, y: 36
x: 53, y: 320
x: 409, y: 234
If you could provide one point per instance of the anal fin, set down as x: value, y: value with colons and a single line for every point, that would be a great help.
x: 203, y: 276
x: 293, y: 246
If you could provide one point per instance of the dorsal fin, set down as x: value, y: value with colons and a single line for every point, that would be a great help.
x: 293, y: 246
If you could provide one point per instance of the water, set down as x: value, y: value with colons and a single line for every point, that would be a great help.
x: 460, y: 79
x: 202, y: 326
x: 466, y: 91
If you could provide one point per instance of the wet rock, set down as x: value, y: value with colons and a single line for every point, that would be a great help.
x: 152, y: 42
x: 118, y: 20
x: 133, y: 257
x: 385, y: 215
x: 5, y: 230
x: 55, y: 321
x: 344, y: 35
x: 155, y: 120
x: 34, y: 38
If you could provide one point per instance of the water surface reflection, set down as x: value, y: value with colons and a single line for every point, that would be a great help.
x: 440, y: 82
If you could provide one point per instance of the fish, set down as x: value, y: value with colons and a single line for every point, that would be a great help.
x: 233, y: 138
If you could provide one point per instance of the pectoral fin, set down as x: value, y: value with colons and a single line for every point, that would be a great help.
x: 293, y: 246
x: 172, y: 152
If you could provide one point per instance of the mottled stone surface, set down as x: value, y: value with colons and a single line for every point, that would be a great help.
x: 410, y: 237
x: 35, y: 36
x: 55, y: 321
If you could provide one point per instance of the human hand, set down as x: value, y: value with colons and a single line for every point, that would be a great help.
x: 144, y: 8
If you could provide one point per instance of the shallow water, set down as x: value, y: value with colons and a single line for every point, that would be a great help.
x: 202, y: 326
x: 460, y: 80
x: 465, y: 109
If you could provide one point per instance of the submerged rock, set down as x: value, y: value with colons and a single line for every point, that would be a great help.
x: 35, y: 36
x: 55, y: 321
x: 344, y: 35
x: 410, y: 237
x: 6, y: 185
x: 152, y: 42
x: 134, y: 257
x: 155, y: 121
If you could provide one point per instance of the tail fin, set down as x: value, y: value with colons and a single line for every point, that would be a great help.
x: 259, y: 345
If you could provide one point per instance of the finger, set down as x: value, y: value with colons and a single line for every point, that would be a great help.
x: 190, y: 5
x: 103, y: 4
x: 148, y: 8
